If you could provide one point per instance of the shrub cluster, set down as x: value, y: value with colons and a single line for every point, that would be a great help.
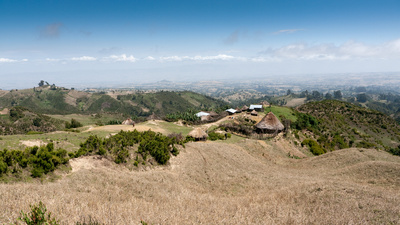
x: 39, y: 160
x: 213, y: 136
x: 73, y: 124
x: 315, y: 148
x: 241, y: 125
x: 150, y: 143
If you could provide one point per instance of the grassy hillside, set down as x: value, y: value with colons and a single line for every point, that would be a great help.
x: 342, y: 125
x: 54, y: 100
x: 250, y: 182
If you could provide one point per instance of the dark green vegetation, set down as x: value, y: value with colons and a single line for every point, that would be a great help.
x: 73, y: 124
x: 21, y: 120
x: 36, y: 160
x: 118, y: 146
x: 213, y: 136
x: 124, y: 147
x: 337, y: 125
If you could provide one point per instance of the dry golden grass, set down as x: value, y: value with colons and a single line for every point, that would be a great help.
x: 218, y: 183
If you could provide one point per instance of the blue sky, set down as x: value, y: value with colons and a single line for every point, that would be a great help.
x: 106, y: 41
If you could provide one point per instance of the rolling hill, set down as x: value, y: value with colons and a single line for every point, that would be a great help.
x: 250, y: 182
x: 56, y: 100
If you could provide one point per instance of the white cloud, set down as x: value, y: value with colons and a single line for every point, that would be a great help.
x: 6, y: 60
x: 52, y: 60
x: 84, y: 58
x: 150, y: 58
x: 287, y: 31
x: 122, y: 58
x: 347, y: 51
x: 174, y: 58
x: 202, y: 58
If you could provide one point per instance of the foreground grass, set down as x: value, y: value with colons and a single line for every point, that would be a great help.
x: 210, y: 183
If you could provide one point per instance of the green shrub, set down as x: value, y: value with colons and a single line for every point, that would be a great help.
x: 315, y: 148
x: 73, y: 124
x: 215, y: 136
x: 395, y: 151
x: 38, y: 216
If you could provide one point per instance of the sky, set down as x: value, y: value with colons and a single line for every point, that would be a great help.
x: 102, y: 42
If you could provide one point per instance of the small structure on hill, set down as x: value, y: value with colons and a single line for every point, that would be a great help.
x: 213, y: 114
x: 231, y: 111
x: 205, y: 118
x: 198, y: 134
x: 245, y: 108
x: 238, y: 110
x: 153, y: 116
x: 269, y: 124
x: 258, y: 108
x: 128, y: 121
x: 265, y: 104
x: 254, y: 113
x: 201, y: 114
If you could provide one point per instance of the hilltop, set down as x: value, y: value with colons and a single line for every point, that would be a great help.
x: 49, y: 99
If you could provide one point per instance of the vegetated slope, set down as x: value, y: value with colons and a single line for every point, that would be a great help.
x: 56, y: 100
x: 343, y: 125
x: 21, y: 120
x: 41, y: 100
x: 165, y: 102
x: 245, y: 183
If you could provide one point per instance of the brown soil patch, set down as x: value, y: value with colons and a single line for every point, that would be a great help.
x: 31, y: 143
x: 295, y: 102
x: 5, y: 111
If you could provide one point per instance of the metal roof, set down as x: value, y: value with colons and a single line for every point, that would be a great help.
x: 255, y: 107
x: 231, y: 110
x: 200, y: 114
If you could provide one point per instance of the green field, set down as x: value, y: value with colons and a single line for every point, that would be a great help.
x: 288, y: 113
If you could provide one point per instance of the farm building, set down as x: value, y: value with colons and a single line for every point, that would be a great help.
x: 269, y: 124
x: 128, y: 121
x: 201, y: 114
x: 231, y: 111
x: 258, y: 108
x: 198, y: 134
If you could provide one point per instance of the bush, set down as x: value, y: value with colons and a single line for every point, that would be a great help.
x: 73, y: 124
x: 395, y: 151
x: 215, y: 136
x: 315, y: 148
x: 39, y: 160
x: 38, y: 216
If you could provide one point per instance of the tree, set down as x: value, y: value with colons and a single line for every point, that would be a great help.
x: 41, y: 83
x: 337, y: 94
x: 289, y: 92
x: 362, y: 97
x: 316, y: 95
x: 328, y: 96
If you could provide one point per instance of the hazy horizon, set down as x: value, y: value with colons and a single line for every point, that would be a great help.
x: 100, y: 42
